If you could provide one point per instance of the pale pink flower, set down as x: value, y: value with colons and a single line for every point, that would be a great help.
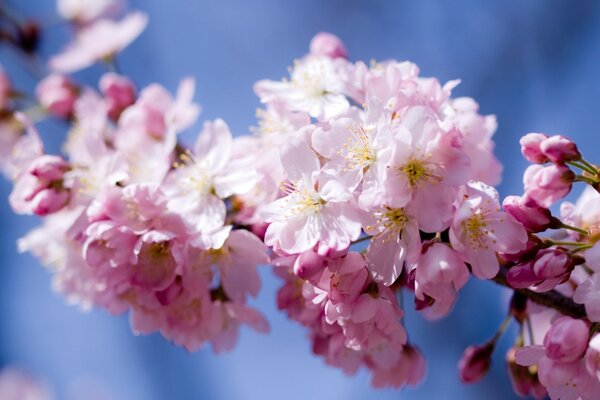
x: 276, y: 123
x: 588, y: 294
x: 592, y: 357
x: 317, y: 207
x: 206, y: 176
x: 314, y: 87
x: 57, y: 94
x: 99, y: 41
x: 477, y: 133
x: 328, y: 44
x: 479, y: 230
x: 86, y: 11
x: 395, y: 241
x: 425, y: 168
x: 439, y: 274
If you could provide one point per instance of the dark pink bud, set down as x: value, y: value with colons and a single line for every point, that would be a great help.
x: 475, y: 362
x: 560, y: 149
x: 57, y: 94
x: 546, y: 184
x: 119, y: 93
x: 567, y: 339
x: 49, y: 201
x: 327, y: 44
x: 533, y: 217
x: 522, y: 276
x: 49, y: 168
x: 533, y: 245
x: 530, y: 147
x: 308, y: 264
x: 553, y: 263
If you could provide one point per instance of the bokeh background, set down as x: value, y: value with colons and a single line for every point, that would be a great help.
x: 534, y: 64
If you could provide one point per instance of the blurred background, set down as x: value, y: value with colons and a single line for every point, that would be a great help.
x: 534, y: 64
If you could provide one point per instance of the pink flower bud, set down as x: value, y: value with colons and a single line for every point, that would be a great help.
x: 522, y: 276
x: 592, y: 357
x: 553, y: 263
x: 119, y: 93
x: 49, y: 168
x: 308, y: 264
x: 49, y: 201
x: 560, y: 149
x: 327, y: 44
x: 530, y: 147
x: 5, y: 89
x: 57, y: 94
x: 528, y: 254
x: 545, y: 185
x: 567, y: 339
x: 475, y: 362
x: 533, y: 217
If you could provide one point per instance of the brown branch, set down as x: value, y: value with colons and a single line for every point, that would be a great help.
x: 551, y: 299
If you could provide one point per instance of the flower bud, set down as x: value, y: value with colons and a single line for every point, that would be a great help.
x: 49, y: 201
x: 567, y: 339
x: 545, y: 185
x: 528, y: 254
x: 553, y: 263
x: 327, y: 44
x: 119, y: 93
x: 522, y: 276
x: 57, y: 94
x: 560, y: 149
x: 49, y: 168
x: 475, y: 362
x: 308, y: 264
x: 530, y: 147
x: 533, y: 217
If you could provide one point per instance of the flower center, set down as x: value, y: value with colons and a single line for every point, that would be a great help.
x: 357, y: 151
x: 416, y: 171
x: 476, y: 231
x: 390, y: 221
x: 301, y: 199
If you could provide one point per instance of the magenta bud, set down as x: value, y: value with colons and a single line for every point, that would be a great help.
x: 533, y: 217
x: 522, y: 276
x: 49, y: 201
x: 553, y: 263
x: 49, y: 168
x: 560, y: 149
x: 475, y: 362
x: 327, y: 44
x: 308, y: 264
x: 57, y: 94
x: 546, y: 184
x: 119, y: 93
x: 567, y: 339
x: 530, y: 147
x: 531, y: 249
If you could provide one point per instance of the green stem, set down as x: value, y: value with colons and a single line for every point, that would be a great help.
x: 584, y: 167
x: 573, y: 228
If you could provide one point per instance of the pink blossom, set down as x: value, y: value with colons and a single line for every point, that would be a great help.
x: 546, y: 184
x: 525, y: 382
x: 426, y: 166
x: 206, y: 176
x: 57, y: 94
x: 314, y: 203
x: 315, y: 87
x: 560, y: 149
x: 567, y: 339
x: 99, y: 41
x: 531, y: 147
x: 480, y: 229
x: 327, y: 44
x: 549, y: 268
x: 119, y: 93
x: 592, y: 357
x: 588, y: 294
x: 439, y: 274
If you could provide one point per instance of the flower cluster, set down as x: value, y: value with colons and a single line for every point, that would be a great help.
x: 133, y: 219
x: 363, y: 185
x: 351, y: 153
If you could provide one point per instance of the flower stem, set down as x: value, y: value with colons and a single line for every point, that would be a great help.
x: 574, y: 228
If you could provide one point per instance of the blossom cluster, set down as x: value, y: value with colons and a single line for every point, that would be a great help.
x: 363, y: 185
x: 133, y: 219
